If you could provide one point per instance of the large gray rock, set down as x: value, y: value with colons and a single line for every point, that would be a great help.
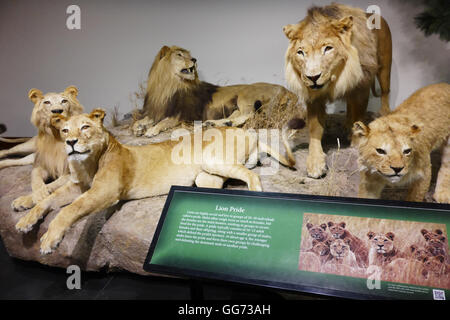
x: 119, y: 238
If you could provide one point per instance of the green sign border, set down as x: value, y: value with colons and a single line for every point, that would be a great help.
x: 229, y: 277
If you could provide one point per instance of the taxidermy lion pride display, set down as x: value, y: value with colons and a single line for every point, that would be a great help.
x: 106, y: 171
x: 175, y: 93
x: 332, y: 54
x: 395, y: 149
x: 50, y: 159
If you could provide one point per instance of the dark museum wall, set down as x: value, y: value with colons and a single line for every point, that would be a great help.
x: 234, y: 41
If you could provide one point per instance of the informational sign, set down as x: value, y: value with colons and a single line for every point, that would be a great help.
x: 334, y: 246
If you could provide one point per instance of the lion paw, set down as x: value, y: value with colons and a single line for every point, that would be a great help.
x: 442, y: 196
x: 51, y: 239
x: 27, y: 222
x: 316, y: 166
x: 153, y: 131
x: 22, y: 203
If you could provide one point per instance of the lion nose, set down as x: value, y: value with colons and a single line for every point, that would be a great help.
x: 71, y: 142
x: 314, y: 78
x: 59, y: 111
x: 397, y: 169
x: 194, y: 60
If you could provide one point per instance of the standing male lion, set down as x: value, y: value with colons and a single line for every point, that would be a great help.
x: 332, y: 54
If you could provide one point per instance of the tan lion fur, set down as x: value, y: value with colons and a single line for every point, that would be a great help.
x: 175, y: 93
x: 50, y: 160
x: 105, y: 171
x: 404, y: 140
x: 332, y: 54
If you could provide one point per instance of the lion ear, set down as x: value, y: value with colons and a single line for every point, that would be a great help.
x: 71, y: 90
x: 291, y: 31
x: 415, y: 129
x: 163, y: 52
x: 359, y: 133
x: 390, y: 235
x: 35, y: 95
x: 370, y: 234
x: 98, y: 114
x: 344, y: 25
x: 413, y: 248
x: 323, y: 226
x: 330, y: 224
x: 309, y: 225
x: 58, y: 120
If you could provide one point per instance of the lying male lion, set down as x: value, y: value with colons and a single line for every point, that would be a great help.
x: 50, y: 160
x: 106, y: 171
x: 395, y: 149
x: 53, y: 101
x: 175, y: 93
x: 332, y: 54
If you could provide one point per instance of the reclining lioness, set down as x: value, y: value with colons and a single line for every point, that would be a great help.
x: 106, y: 171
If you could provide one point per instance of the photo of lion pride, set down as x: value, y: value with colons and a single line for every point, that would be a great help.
x: 332, y: 54
x: 395, y: 149
x: 105, y: 171
x: 175, y: 93
x: 50, y: 159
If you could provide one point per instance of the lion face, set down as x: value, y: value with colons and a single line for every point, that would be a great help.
x: 386, y: 149
x: 434, y: 264
x: 318, y: 50
x: 321, y: 248
x: 181, y: 63
x: 317, y: 232
x: 340, y: 248
x: 382, y: 243
x: 45, y: 106
x: 83, y: 135
x: 337, y: 230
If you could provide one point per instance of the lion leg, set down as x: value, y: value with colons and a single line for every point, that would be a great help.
x: 370, y: 186
x: 92, y: 201
x: 385, y: 61
x: 161, y: 126
x: 25, y: 148
x: 234, y: 171
x: 61, y: 197
x: 29, y: 159
x: 316, y: 165
x: 442, y: 191
x: 39, y: 191
x: 206, y: 180
x: 357, y: 102
x: 420, y: 187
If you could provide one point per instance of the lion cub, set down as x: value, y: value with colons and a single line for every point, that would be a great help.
x: 105, y: 171
x: 395, y: 149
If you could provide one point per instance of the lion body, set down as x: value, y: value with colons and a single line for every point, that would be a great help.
x: 332, y: 54
x: 175, y: 93
x: 105, y: 171
x: 50, y: 160
x: 395, y: 149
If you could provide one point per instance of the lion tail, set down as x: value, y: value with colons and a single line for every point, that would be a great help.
x: 16, y: 140
x: 290, y: 160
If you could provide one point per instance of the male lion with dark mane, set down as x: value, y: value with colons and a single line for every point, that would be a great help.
x: 175, y: 93
x: 332, y: 54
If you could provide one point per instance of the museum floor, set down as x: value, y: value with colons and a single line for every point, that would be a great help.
x: 30, y: 280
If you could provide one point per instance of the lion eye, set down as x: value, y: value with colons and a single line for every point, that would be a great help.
x: 381, y: 151
x: 300, y: 52
x: 407, y: 151
x: 64, y: 101
x: 85, y: 127
x: 47, y: 102
x: 327, y: 48
x: 65, y: 130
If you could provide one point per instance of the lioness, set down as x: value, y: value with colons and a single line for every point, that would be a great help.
x: 332, y: 54
x: 382, y: 249
x: 395, y: 149
x: 175, y: 93
x: 50, y: 160
x: 106, y: 171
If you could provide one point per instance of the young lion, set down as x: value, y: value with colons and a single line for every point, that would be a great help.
x: 382, y: 249
x: 318, y: 233
x: 395, y: 149
x: 50, y: 161
x: 332, y: 54
x: 106, y: 171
